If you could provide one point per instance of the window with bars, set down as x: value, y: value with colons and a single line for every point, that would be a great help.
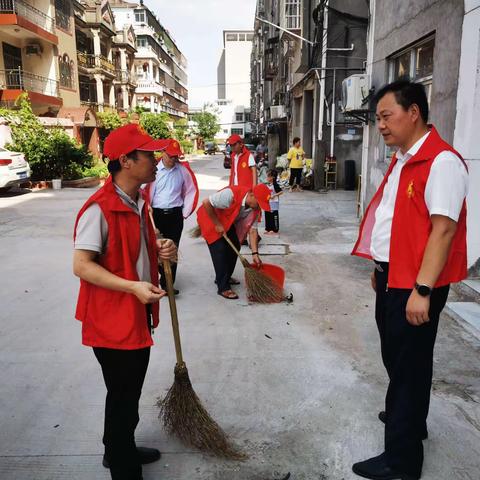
x: 236, y: 131
x: 62, y: 14
x: 239, y: 117
x: 293, y: 15
x: 140, y: 16
x: 66, y: 67
x: 415, y: 63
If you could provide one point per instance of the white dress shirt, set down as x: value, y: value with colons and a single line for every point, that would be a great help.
x: 251, y: 163
x: 168, y: 187
x: 446, y: 189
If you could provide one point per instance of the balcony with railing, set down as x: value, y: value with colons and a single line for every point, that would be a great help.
x: 29, y: 82
x: 124, y: 76
x: 96, y: 62
x: 149, y: 87
x: 35, y: 19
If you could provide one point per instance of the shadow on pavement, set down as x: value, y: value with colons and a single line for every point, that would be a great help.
x: 13, y: 192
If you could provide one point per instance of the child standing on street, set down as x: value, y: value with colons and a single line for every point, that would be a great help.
x: 272, y: 222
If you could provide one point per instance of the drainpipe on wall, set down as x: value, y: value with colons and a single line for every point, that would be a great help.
x: 321, y: 79
x: 366, y: 126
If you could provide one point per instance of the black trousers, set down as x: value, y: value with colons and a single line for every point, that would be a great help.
x: 295, y: 174
x: 224, y: 259
x: 124, y: 372
x: 272, y: 221
x: 170, y: 226
x: 407, y: 353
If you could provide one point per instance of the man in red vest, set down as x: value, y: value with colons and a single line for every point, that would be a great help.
x: 233, y: 211
x: 243, y: 170
x: 116, y: 257
x: 415, y: 231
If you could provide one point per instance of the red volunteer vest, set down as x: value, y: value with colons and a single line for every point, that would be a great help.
x: 226, y: 216
x: 411, y: 225
x: 115, y: 319
x: 244, y: 172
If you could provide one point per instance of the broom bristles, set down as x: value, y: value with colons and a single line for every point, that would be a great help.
x: 195, y: 232
x: 261, y: 288
x: 184, y: 415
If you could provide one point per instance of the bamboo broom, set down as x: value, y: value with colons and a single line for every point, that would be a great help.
x: 181, y: 410
x: 260, y: 287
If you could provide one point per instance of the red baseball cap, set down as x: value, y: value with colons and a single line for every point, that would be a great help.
x: 172, y: 148
x: 128, y: 138
x: 262, y: 193
x: 233, y: 139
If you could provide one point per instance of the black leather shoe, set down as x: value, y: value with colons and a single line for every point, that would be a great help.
x: 376, y: 468
x: 382, y: 416
x: 147, y: 455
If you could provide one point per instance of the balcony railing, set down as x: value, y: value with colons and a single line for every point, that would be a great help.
x: 25, y: 10
x: 21, y: 80
x: 124, y: 76
x: 89, y: 60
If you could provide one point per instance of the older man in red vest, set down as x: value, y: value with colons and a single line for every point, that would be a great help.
x: 116, y: 257
x: 233, y: 211
x: 243, y: 169
x: 415, y: 232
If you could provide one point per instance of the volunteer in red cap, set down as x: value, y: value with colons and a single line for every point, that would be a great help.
x: 233, y: 211
x: 116, y: 257
x: 243, y: 171
x: 173, y: 197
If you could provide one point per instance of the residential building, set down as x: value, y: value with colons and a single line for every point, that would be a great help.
x: 160, y: 66
x: 299, y: 60
x: 233, y: 79
x: 28, y: 59
x: 438, y: 46
x: 94, y: 32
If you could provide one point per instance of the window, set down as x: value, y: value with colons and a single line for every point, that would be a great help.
x: 415, y: 63
x: 293, y: 16
x: 241, y: 37
x: 239, y: 117
x: 141, y: 42
x: 140, y: 16
x: 249, y: 37
x: 232, y: 37
x: 66, y: 67
x: 225, y: 131
x: 236, y: 131
x: 63, y: 14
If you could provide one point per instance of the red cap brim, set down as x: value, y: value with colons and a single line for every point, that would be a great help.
x: 153, y: 146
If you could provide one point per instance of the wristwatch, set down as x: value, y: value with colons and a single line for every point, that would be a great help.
x: 423, y: 290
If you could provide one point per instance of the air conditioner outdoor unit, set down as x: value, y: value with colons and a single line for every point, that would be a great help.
x: 33, y: 49
x: 354, y: 92
x: 277, y: 111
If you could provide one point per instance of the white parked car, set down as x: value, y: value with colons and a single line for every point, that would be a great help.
x: 14, y: 169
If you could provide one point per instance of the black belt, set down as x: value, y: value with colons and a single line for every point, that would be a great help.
x: 167, y: 211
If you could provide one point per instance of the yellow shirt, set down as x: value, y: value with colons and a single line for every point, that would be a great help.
x: 296, y: 155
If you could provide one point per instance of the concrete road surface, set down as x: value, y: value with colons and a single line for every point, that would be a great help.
x: 303, y: 399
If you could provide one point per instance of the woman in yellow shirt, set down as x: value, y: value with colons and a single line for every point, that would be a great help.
x: 296, y: 157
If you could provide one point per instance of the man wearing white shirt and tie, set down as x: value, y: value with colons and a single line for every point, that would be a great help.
x: 415, y: 232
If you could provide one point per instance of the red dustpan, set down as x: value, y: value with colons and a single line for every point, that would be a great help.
x: 276, y: 273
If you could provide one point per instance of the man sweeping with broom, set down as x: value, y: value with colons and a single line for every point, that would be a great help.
x: 116, y: 257
x: 227, y: 217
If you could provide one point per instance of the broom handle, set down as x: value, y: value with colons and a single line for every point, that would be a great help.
x: 167, y: 270
x: 244, y: 261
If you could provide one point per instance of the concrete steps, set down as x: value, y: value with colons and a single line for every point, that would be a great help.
x: 467, y: 309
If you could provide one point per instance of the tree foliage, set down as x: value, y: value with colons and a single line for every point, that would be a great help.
x: 51, y: 153
x: 207, y: 125
x: 156, y: 124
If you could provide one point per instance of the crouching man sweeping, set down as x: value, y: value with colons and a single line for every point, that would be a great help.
x: 116, y: 257
x: 233, y: 211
